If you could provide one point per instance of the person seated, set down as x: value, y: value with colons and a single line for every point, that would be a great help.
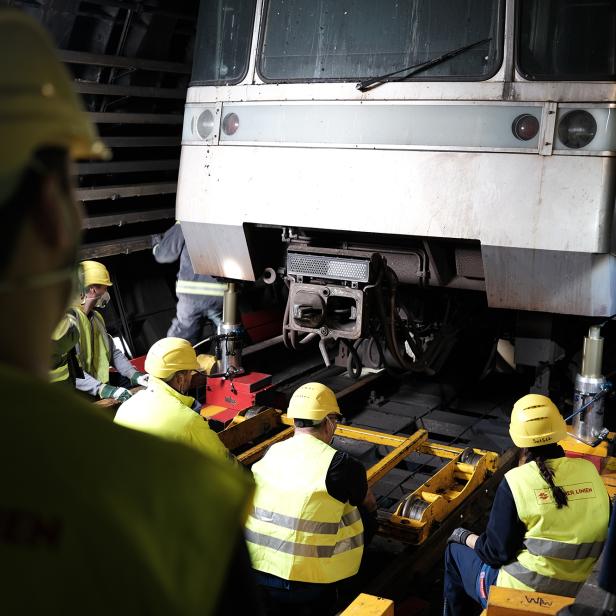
x: 548, y: 522
x: 95, y: 518
x: 305, y: 533
x: 164, y: 408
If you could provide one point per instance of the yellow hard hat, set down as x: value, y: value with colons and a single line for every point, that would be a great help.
x: 313, y: 401
x: 536, y: 421
x: 170, y: 355
x: 95, y: 273
x: 38, y: 106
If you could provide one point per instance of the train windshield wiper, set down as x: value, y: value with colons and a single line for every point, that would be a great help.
x: 373, y: 82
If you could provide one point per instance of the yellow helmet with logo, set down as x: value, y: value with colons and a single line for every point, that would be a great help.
x: 536, y: 421
x: 171, y: 355
x: 38, y: 106
x: 313, y: 401
x: 95, y: 273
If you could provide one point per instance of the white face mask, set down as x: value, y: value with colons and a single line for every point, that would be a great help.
x: 103, y: 300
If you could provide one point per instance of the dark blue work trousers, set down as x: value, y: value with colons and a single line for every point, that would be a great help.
x: 467, y: 581
x: 190, y: 316
x: 283, y: 597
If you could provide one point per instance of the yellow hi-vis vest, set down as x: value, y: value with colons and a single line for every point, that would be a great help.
x: 296, y: 530
x: 64, y: 338
x: 162, y: 411
x: 94, y: 346
x: 560, y: 545
x: 153, y: 533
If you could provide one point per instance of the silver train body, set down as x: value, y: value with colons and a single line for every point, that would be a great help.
x: 528, y: 222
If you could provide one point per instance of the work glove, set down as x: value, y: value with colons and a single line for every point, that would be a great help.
x: 156, y: 239
x: 121, y: 394
x: 139, y: 378
x: 459, y: 535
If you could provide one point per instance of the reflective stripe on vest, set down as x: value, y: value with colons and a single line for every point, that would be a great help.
x: 543, y: 583
x: 309, y: 526
x: 296, y: 530
x: 196, y: 287
x: 560, y: 545
x: 94, y: 347
x: 564, y: 551
x: 59, y: 374
x: 302, y: 549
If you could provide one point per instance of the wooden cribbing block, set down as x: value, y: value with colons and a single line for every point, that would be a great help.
x: 369, y: 605
x: 511, y: 602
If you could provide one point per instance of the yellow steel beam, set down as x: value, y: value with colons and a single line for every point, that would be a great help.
x: 370, y: 436
x: 369, y: 605
x: 361, y: 434
x: 258, y: 451
x: 392, y: 459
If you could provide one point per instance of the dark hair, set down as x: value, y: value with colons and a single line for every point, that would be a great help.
x: 15, y: 210
x: 540, y: 456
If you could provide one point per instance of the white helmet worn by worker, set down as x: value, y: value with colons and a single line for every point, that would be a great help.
x: 313, y: 401
x: 95, y: 273
x: 536, y: 421
x: 171, y: 355
x: 38, y: 106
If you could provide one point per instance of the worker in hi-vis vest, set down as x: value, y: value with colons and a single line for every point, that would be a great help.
x: 305, y: 531
x: 163, y: 408
x: 96, y: 349
x: 548, y: 522
x: 199, y: 296
x: 95, y: 519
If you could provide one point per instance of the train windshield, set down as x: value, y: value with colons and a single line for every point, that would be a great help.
x: 321, y: 40
x: 222, y: 48
x: 571, y: 40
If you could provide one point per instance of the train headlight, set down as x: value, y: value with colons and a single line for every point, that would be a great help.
x: 525, y: 127
x: 577, y: 129
x: 230, y: 124
x: 205, y: 124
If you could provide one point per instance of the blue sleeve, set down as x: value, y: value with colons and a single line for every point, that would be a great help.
x: 504, y: 535
x: 170, y: 246
x: 607, y: 578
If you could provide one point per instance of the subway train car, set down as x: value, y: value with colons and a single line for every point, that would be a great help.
x: 383, y: 157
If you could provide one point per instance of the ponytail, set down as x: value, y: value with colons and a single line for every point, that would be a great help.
x: 547, y: 474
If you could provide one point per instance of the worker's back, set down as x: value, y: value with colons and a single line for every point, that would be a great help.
x: 561, y: 544
x: 164, y: 412
x: 98, y: 519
